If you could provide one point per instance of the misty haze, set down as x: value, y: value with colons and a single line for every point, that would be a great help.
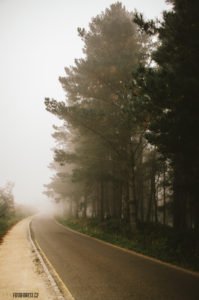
x: 99, y: 150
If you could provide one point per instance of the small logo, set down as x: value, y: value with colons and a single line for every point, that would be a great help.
x: 25, y: 295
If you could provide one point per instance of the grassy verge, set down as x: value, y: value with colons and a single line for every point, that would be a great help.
x: 158, y: 241
x: 5, y: 225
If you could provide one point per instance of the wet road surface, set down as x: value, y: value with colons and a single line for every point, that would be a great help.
x: 92, y: 270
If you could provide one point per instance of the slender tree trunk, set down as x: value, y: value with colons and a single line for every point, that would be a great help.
x: 117, y: 199
x: 132, y: 211
x: 152, y: 200
x: 125, y: 206
x: 71, y: 208
x: 108, y: 199
x: 95, y: 203
x: 76, y: 208
x: 85, y: 207
x: 149, y: 208
x: 196, y: 215
x: 180, y: 201
x: 164, y: 195
x: 132, y: 202
x: 141, y: 196
x: 132, y: 193
x: 155, y: 206
x: 140, y: 184
x: 120, y: 199
x: 114, y: 198
x: 101, y: 199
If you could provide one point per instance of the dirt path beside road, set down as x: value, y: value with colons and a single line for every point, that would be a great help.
x: 20, y: 271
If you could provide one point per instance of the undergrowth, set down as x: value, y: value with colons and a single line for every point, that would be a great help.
x: 155, y: 240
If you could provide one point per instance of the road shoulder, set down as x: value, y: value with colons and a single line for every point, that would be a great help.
x: 20, y: 270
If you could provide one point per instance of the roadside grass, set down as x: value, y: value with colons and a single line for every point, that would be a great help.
x: 6, y: 224
x: 155, y: 240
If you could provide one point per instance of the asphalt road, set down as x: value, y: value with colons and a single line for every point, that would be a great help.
x: 92, y: 270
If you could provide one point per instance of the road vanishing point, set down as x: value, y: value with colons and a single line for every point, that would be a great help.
x: 93, y: 270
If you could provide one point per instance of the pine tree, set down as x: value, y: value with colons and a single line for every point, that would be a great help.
x: 169, y: 95
x: 98, y: 103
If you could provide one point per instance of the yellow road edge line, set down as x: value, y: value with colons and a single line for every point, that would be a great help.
x: 54, y: 271
x: 132, y: 252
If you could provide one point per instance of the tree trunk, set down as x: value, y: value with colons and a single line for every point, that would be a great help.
x: 125, y: 203
x: 196, y: 215
x: 85, y: 207
x: 149, y: 208
x: 132, y: 196
x: 108, y: 198
x: 164, y: 195
x: 71, y: 208
x: 132, y: 205
x: 76, y: 209
x: 101, y: 199
x: 180, y: 201
x: 152, y: 199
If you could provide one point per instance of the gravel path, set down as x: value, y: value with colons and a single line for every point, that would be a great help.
x: 20, y: 271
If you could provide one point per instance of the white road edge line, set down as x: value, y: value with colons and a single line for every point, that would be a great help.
x: 50, y: 278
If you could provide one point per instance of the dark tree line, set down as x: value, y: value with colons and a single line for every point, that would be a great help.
x: 172, y: 100
x: 128, y: 145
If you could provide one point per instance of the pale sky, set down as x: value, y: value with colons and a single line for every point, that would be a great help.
x: 38, y: 38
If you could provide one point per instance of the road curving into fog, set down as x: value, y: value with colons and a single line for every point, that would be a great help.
x: 92, y: 270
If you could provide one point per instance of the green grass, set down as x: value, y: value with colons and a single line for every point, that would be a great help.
x: 158, y: 241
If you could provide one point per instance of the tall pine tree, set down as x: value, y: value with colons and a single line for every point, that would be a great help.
x: 169, y: 97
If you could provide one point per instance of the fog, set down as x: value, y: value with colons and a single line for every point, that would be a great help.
x: 38, y: 38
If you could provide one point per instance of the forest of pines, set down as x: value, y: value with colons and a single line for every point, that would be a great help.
x: 128, y: 146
